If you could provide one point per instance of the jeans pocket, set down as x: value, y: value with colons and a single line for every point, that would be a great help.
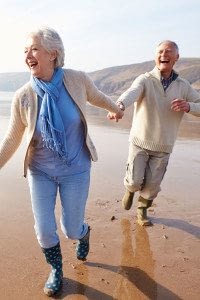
x: 34, y: 171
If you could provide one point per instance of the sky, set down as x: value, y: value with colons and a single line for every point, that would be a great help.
x: 100, y: 34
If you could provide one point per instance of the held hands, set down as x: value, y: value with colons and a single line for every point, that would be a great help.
x: 119, y: 114
x: 115, y: 116
x: 180, y: 105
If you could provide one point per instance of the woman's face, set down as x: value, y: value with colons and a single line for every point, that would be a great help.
x: 38, y: 59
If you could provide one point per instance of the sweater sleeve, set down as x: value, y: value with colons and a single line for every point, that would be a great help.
x: 135, y: 91
x: 97, y: 98
x: 13, y: 136
x: 193, y: 98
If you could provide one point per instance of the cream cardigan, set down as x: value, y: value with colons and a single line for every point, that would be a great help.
x: 155, y: 125
x: 24, y: 113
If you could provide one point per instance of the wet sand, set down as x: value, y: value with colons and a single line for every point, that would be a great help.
x: 126, y: 261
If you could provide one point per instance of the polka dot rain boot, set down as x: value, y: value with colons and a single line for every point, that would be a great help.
x: 83, y: 246
x: 54, y: 258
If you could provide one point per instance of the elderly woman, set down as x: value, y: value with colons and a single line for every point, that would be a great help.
x: 52, y: 109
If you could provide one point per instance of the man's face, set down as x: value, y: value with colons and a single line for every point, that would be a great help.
x: 165, y: 58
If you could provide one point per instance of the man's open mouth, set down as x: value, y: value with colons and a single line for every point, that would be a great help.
x: 164, y: 61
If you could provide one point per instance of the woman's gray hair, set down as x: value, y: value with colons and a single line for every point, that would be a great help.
x: 51, y: 41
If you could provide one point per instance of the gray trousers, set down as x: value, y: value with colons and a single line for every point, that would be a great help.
x: 145, y: 170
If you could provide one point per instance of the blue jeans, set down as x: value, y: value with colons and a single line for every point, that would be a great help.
x: 73, y: 190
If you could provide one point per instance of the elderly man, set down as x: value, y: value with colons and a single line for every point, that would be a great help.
x: 160, y: 99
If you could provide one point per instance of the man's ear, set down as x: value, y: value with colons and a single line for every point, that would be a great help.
x: 177, y: 57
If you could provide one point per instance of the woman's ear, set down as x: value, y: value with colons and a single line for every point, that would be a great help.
x: 53, y: 55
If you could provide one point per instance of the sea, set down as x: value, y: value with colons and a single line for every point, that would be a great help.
x: 5, y: 103
x: 97, y: 118
x: 189, y: 128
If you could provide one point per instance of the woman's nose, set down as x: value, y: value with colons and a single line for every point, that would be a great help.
x: 28, y: 54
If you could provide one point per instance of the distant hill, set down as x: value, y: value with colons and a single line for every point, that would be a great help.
x: 114, y: 80
x: 10, y: 82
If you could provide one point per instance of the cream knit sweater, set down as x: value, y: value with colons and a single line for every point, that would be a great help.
x: 155, y: 125
x: 24, y: 113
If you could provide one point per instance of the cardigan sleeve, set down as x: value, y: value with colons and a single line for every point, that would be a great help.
x: 14, y: 133
x: 97, y: 98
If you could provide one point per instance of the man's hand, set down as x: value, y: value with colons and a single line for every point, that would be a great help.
x: 180, y: 105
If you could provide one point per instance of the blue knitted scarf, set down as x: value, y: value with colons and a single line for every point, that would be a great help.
x: 52, y: 128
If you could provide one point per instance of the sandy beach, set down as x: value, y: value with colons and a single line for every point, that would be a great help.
x: 126, y: 261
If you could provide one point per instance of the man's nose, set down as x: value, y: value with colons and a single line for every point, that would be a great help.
x: 164, y: 52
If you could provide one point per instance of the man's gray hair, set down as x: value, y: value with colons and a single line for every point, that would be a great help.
x: 51, y: 41
x: 170, y: 42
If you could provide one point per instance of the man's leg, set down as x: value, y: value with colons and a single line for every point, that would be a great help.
x: 155, y: 171
x: 134, y: 177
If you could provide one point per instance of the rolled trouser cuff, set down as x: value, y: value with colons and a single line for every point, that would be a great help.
x: 144, y: 203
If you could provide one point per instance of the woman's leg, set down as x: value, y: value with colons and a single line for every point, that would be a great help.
x: 74, y: 193
x: 43, y: 190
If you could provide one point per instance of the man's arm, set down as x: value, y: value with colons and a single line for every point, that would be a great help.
x: 131, y: 95
x: 189, y: 105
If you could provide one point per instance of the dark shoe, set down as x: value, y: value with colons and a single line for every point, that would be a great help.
x: 54, y: 258
x: 127, y: 200
x: 83, y: 246
x: 142, y: 218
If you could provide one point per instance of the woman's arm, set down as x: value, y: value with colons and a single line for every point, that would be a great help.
x: 13, y: 135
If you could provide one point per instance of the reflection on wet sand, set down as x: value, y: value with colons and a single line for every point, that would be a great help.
x: 77, y: 290
x: 136, y: 271
x: 137, y: 267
